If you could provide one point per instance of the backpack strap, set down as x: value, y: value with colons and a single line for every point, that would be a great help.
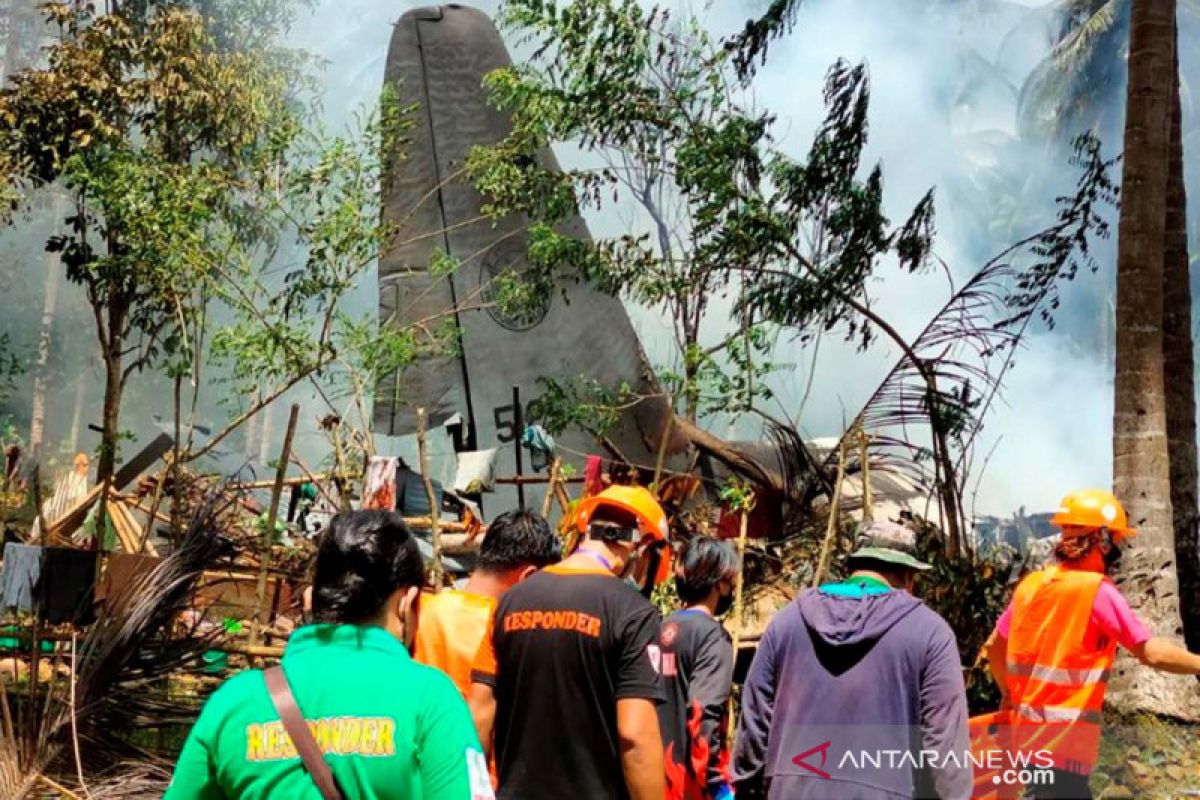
x: 306, y: 746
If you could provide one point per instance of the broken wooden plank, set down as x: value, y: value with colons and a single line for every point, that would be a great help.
x: 142, y: 460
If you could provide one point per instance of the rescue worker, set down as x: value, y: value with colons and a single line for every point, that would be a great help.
x: 862, y: 669
x: 567, y: 683
x: 454, y: 622
x: 1053, y: 647
x: 697, y: 667
x: 379, y: 724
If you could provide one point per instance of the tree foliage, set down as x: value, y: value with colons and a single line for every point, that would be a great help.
x: 722, y: 214
x: 215, y: 224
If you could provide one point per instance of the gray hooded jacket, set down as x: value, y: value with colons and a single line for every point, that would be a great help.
x: 855, y: 694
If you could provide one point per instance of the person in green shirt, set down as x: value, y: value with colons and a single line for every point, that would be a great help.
x: 387, y: 726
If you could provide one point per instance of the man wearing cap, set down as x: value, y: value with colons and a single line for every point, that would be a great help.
x: 856, y: 690
x: 1054, y: 646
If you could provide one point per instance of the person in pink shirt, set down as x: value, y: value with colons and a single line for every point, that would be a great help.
x: 1054, y: 646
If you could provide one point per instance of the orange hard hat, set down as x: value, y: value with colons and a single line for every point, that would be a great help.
x: 1092, y: 509
x: 651, y: 519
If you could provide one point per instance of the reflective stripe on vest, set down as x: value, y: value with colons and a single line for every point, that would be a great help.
x: 1058, y: 714
x: 1072, y: 677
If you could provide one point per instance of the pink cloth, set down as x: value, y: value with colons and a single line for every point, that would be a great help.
x: 1111, y: 617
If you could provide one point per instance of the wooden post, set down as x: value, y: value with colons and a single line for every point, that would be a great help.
x: 518, y: 435
x: 339, y: 456
x: 272, y: 515
x: 662, y: 450
x: 738, y: 585
x: 548, y: 500
x: 864, y: 460
x: 831, y: 528
x: 435, y: 532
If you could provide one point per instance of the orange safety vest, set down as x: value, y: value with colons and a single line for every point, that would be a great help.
x: 450, y: 627
x: 1056, y: 676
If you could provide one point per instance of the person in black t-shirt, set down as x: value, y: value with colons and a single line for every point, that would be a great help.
x: 568, y: 681
x: 697, y: 667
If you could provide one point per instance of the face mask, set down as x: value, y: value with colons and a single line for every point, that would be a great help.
x: 724, y: 603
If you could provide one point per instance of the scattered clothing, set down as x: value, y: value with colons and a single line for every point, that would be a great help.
x: 56, y: 583
x: 566, y: 645
x: 389, y: 728
x: 593, y: 471
x: 697, y: 670
x: 476, y: 472
x: 541, y: 446
x: 379, y: 484
x: 411, y: 498
x: 852, y: 669
x: 22, y: 568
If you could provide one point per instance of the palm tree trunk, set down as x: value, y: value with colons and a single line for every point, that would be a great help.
x: 1141, y: 469
x: 1180, y: 364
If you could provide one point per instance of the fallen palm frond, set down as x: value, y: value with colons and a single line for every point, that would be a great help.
x: 131, y: 780
x: 119, y: 675
x: 930, y: 411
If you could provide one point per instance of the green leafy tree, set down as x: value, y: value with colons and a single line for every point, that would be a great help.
x: 726, y: 215
x: 157, y: 131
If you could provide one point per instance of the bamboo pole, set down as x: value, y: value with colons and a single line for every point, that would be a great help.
x: 831, y: 528
x: 738, y: 610
x: 339, y: 480
x: 534, y: 480
x: 662, y: 450
x: 864, y: 459
x: 548, y: 500
x: 152, y: 512
x: 272, y: 515
x: 286, y: 482
x: 435, y: 533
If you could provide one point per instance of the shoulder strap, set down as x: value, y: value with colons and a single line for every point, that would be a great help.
x: 302, y: 738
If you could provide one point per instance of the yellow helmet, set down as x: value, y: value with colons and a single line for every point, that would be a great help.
x: 1092, y: 509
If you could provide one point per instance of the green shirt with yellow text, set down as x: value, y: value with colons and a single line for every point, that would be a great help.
x: 389, y: 727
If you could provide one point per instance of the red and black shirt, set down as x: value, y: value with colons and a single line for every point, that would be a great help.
x: 566, y: 645
x: 697, y: 668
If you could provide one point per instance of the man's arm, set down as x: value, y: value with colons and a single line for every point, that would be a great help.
x: 482, y: 696
x: 483, y: 712
x: 641, y: 748
x: 1165, y: 655
x: 943, y: 704
x: 758, y: 707
x: 996, y: 651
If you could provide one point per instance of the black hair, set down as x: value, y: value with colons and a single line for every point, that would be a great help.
x: 363, y: 558
x: 518, y: 539
x: 702, y: 563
